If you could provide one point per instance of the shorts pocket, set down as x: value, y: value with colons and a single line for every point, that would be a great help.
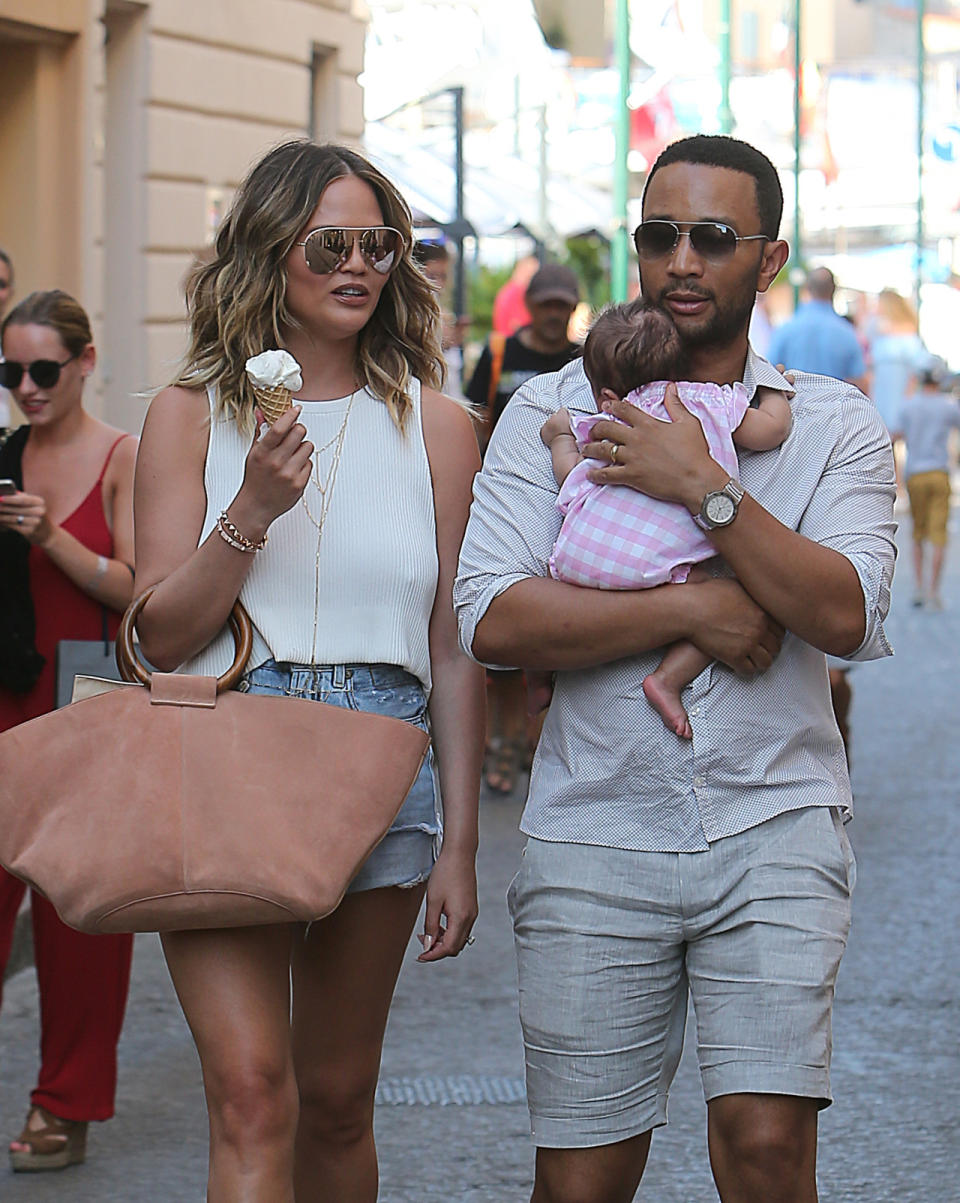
x: 406, y: 701
x: 846, y: 848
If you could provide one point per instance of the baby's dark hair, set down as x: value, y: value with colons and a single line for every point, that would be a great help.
x: 630, y: 345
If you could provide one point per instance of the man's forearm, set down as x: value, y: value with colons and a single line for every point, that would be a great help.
x: 545, y: 624
x: 811, y: 590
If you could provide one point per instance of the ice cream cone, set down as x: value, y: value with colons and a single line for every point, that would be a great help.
x: 273, y: 401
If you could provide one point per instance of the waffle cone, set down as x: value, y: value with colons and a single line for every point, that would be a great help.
x: 273, y: 401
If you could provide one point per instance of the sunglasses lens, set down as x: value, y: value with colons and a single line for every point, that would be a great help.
x: 324, y: 249
x: 655, y: 238
x: 10, y: 375
x: 713, y: 240
x: 45, y: 372
x: 380, y: 248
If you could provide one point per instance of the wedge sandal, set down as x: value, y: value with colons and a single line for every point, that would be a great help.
x: 52, y: 1143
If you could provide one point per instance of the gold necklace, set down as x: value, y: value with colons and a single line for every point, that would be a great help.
x: 325, y: 489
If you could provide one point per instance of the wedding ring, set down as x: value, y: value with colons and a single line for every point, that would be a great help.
x: 19, y: 519
x: 614, y: 448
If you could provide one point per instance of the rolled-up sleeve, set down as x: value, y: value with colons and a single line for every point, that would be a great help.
x: 514, y: 519
x: 851, y: 511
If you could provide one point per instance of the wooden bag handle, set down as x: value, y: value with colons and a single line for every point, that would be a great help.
x: 133, y: 671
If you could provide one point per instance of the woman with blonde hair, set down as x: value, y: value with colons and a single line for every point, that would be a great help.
x: 66, y: 556
x: 363, y: 487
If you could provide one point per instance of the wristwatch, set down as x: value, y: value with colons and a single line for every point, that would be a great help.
x: 719, y: 508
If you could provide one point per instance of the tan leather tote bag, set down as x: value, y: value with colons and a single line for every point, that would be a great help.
x: 177, y: 803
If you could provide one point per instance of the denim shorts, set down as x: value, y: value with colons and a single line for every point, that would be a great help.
x: 407, y: 853
x: 611, y: 942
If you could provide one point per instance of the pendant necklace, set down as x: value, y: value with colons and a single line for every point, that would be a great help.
x: 325, y: 490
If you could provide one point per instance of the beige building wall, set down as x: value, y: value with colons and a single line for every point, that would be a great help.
x: 130, y: 123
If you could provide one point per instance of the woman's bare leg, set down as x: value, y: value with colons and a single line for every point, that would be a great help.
x: 344, y: 974
x: 234, y: 987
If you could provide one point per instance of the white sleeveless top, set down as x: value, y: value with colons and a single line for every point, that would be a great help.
x: 375, y: 577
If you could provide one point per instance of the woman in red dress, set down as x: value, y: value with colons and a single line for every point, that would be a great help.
x: 73, y: 507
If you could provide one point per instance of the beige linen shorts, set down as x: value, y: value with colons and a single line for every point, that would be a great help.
x: 610, y: 942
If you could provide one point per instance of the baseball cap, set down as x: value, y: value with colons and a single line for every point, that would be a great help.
x: 554, y: 282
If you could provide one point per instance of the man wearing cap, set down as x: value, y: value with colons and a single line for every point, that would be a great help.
x: 542, y: 346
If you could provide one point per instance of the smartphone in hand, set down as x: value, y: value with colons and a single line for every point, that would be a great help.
x: 8, y: 487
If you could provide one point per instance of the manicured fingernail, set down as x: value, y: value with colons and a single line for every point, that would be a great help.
x: 427, y: 942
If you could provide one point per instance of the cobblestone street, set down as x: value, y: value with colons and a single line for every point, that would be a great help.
x: 451, y: 1122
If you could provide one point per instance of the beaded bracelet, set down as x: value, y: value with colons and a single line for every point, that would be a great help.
x: 239, y: 542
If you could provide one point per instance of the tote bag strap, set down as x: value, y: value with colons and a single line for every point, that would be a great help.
x: 133, y: 671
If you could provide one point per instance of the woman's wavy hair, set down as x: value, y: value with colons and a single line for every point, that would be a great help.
x: 236, y: 298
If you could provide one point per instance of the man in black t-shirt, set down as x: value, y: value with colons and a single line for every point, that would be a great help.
x: 542, y: 346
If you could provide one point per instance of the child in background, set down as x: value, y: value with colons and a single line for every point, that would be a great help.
x: 614, y: 537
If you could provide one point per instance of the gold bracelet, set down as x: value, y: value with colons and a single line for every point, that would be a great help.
x: 231, y: 535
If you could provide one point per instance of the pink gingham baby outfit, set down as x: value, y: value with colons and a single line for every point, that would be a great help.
x: 614, y: 537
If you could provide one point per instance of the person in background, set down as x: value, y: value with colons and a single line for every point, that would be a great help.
x: 924, y: 423
x: 434, y: 261
x: 504, y: 365
x: 897, y: 354
x: 542, y: 345
x: 510, y: 310
x: 67, y: 532
x: 6, y: 293
x: 818, y: 340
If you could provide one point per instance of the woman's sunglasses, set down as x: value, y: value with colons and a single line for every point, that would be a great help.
x: 710, y: 239
x: 43, y: 372
x: 329, y: 247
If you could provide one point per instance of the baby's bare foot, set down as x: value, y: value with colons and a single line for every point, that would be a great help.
x: 666, y: 701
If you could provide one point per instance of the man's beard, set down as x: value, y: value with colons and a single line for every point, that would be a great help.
x: 730, y: 317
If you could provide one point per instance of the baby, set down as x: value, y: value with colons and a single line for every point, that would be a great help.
x: 614, y: 537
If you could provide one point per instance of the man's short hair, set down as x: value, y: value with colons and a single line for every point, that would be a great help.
x: 717, y: 150
x: 821, y: 284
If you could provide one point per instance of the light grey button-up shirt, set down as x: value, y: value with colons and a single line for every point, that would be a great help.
x: 607, y: 770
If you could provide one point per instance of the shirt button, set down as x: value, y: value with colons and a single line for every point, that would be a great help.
x: 698, y: 781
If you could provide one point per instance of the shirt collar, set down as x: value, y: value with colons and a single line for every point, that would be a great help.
x: 758, y: 373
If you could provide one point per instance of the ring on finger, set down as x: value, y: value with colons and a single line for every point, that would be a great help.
x: 19, y: 519
x: 614, y: 448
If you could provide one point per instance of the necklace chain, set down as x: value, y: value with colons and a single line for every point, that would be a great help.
x: 325, y: 489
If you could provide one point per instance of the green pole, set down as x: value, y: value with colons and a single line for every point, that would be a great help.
x: 619, y: 247
x: 921, y: 66
x: 797, y: 63
x: 726, y: 72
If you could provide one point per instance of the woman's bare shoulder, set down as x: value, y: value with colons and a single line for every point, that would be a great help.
x: 450, y: 436
x: 445, y: 417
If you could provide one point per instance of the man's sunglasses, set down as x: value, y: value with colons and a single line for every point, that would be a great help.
x: 710, y: 239
x: 43, y: 372
x: 329, y: 247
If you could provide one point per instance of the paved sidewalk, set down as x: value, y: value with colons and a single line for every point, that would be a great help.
x: 453, y: 1047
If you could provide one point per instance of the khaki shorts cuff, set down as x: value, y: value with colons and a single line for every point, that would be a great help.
x: 794, y: 1081
x: 581, y: 1132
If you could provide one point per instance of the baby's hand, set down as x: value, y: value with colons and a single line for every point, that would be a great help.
x: 555, y: 426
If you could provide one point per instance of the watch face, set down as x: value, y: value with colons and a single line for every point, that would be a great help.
x: 719, y: 509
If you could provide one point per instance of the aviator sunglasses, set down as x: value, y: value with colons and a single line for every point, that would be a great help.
x: 329, y: 247
x: 43, y: 372
x: 711, y: 239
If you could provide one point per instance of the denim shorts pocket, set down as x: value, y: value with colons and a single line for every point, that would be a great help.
x: 406, y: 701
